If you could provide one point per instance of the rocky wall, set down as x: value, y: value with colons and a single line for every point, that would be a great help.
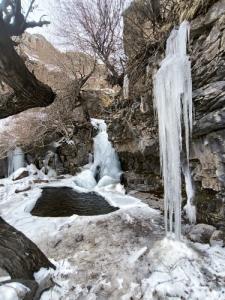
x: 133, y: 128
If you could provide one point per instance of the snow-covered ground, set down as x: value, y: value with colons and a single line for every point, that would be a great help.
x: 122, y: 255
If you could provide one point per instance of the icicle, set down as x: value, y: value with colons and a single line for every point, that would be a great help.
x: 126, y: 84
x: 189, y: 208
x: 90, y: 158
x: 10, y: 162
x: 173, y: 101
x: 16, y: 160
x: 147, y: 70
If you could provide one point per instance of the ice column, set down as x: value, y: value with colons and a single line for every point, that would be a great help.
x: 16, y: 160
x: 173, y: 103
x: 126, y: 84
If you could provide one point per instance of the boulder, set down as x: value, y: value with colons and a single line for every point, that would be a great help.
x: 38, y: 181
x: 20, y: 174
x: 201, y: 233
x: 218, y: 238
x: 23, y: 189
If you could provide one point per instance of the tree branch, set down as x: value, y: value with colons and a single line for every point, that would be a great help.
x: 28, y: 91
x: 36, y: 24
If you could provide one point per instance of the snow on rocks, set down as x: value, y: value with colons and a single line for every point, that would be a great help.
x: 102, y: 255
x: 23, y: 189
x: 178, y: 271
x: 135, y: 256
x: 115, y: 256
x: 20, y: 174
x: 13, y: 291
x: 85, y: 180
x: 122, y: 258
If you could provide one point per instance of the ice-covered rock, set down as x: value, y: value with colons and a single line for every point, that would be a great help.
x: 106, y: 180
x: 85, y: 179
x: 20, y: 174
x: 23, y: 189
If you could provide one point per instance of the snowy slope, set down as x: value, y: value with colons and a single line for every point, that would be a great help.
x: 115, y: 256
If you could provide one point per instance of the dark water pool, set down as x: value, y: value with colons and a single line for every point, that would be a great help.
x: 65, y: 202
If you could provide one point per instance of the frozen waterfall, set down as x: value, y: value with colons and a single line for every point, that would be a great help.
x: 105, y: 168
x: 173, y: 103
x: 16, y: 160
x: 105, y: 155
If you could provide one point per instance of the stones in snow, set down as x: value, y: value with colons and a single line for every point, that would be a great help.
x: 201, y: 233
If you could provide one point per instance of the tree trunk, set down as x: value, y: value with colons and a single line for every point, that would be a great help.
x: 19, y: 256
x: 28, y: 91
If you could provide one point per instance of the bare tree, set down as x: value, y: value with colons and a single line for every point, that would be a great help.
x: 95, y: 27
x: 27, y: 91
x: 81, y: 66
x: 32, y: 129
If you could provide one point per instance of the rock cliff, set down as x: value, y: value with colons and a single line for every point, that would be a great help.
x: 50, y: 65
x: 134, y: 129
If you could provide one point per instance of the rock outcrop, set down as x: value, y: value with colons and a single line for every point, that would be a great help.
x: 133, y: 127
x: 57, y: 68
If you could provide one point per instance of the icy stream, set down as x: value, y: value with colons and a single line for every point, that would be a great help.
x: 173, y: 103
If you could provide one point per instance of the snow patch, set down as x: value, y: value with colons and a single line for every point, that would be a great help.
x: 13, y: 291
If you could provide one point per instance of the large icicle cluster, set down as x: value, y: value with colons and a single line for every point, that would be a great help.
x: 173, y: 103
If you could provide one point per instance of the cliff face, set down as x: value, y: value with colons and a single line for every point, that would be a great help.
x: 134, y: 129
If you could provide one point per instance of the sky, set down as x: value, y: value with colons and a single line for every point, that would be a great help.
x: 48, y: 8
x: 44, y: 7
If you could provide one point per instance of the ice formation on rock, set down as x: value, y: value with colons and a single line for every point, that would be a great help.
x: 173, y: 103
x: 16, y: 160
x: 106, y: 164
x: 105, y: 155
x: 189, y: 208
x: 126, y: 84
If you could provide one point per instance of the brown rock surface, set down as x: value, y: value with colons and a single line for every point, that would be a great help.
x: 133, y: 130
